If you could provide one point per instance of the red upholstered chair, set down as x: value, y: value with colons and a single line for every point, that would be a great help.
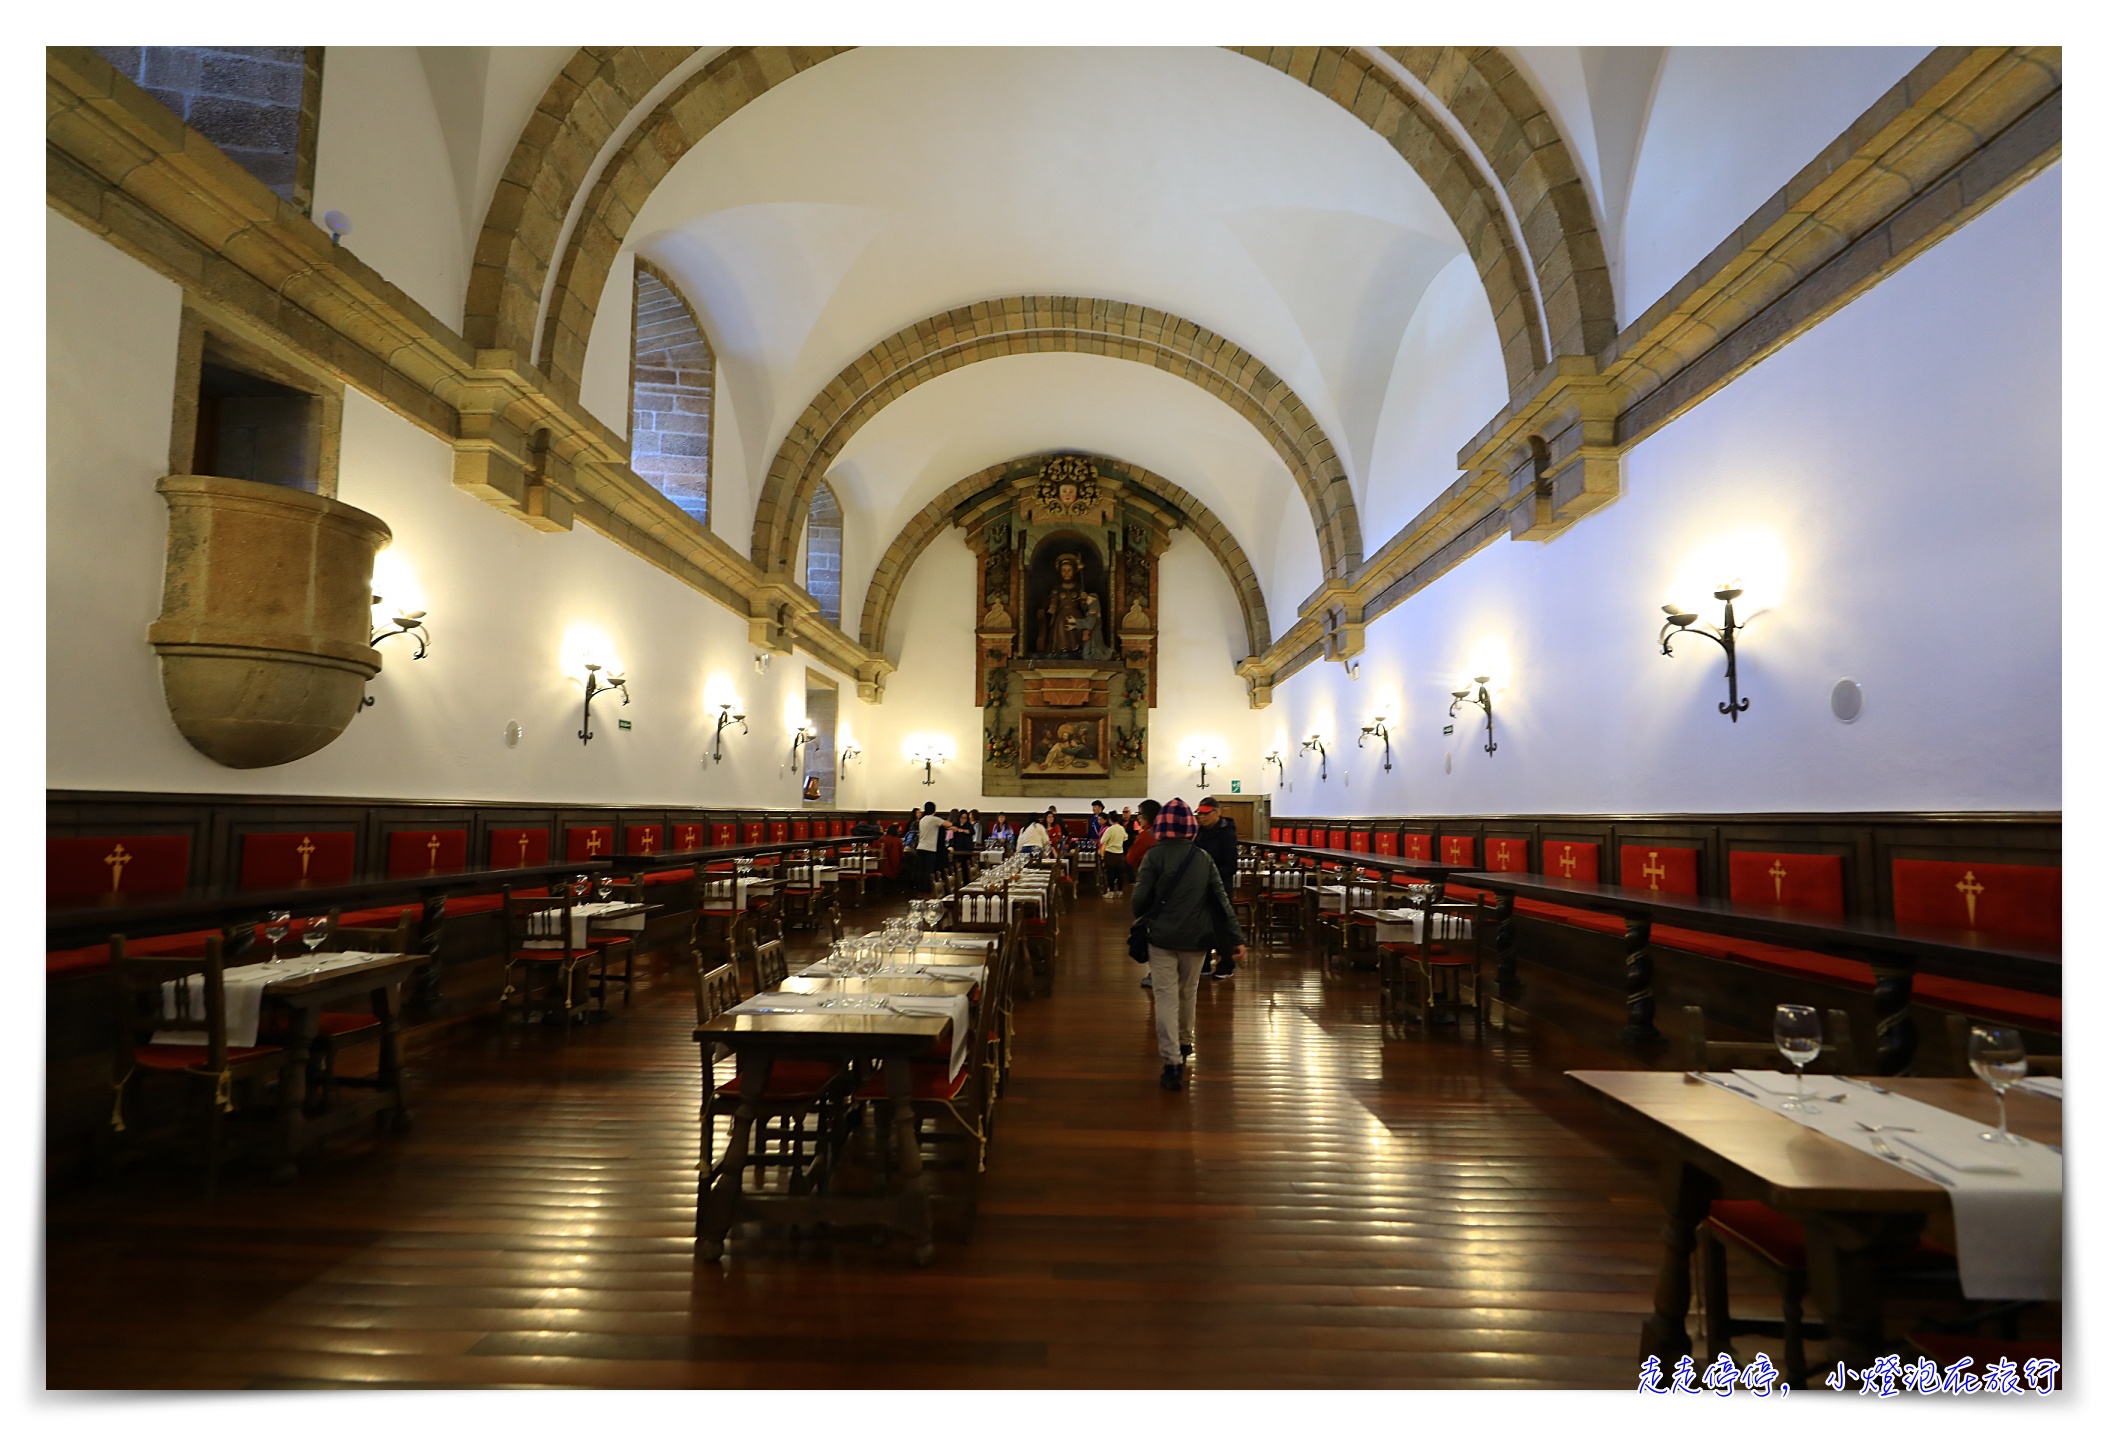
x: 551, y: 959
x: 173, y: 993
x: 802, y: 892
x: 1438, y: 976
x: 803, y: 1105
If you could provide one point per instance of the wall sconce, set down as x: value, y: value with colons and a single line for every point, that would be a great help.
x: 1280, y: 768
x: 594, y: 688
x: 1315, y: 743
x: 1461, y: 697
x: 1203, y: 759
x: 849, y: 750
x: 1724, y: 635
x: 725, y: 716
x: 801, y: 735
x: 1376, y: 729
x: 929, y: 758
x: 406, y: 621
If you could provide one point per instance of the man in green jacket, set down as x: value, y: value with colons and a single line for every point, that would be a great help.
x: 1180, y: 893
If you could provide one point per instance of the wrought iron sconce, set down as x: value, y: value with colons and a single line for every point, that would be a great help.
x: 849, y: 750
x: 929, y: 758
x: 801, y: 735
x: 1203, y: 760
x: 1315, y: 743
x: 725, y: 718
x: 1376, y: 729
x: 1724, y: 635
x: 1462, y: 698
x: 1280, y: 767
x: 410, y: 622
x: 594, y: 688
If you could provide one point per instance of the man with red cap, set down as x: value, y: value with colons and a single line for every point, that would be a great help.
x: 1180, y: 895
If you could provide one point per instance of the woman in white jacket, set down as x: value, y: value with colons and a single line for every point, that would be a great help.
x: 1034, y: 838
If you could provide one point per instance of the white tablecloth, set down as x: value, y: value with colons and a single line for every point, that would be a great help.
x: 944, y: 971
x: 619, y: 916
x: 1403, y: 924
x: 956, y: 1008
x: 2008, y: 1201
x: 719, y: 891
x: 244, y: 989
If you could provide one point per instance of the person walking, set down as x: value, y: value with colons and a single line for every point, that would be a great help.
x: 1112, y: 857
x: 1142, y: 835
x: 1218, y: 839
x: 1179, y: 893
x: 929, y: 848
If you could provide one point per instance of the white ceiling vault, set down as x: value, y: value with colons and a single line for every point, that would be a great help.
x: 885, y: 186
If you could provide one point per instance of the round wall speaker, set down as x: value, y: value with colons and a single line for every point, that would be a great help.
x: 1846, y: 699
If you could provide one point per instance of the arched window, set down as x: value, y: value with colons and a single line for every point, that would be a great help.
x: 823, y: 552
x: 672, y: 374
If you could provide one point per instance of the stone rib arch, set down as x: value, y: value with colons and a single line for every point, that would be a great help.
x: 1054, y: 324
x: 939, y: 513
x: 1568, y: 310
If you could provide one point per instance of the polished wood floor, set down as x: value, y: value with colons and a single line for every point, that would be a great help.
x: 1322, y: 1208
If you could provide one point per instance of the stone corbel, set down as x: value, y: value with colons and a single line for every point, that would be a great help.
x: 492, y: 454
x: 774, y: 609
x: 871, y: 681
x: 1258, y: 682
x: 1337, y: 608
x: 1555, y: 454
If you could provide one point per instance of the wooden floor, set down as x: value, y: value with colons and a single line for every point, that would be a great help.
x: 1321, y: 1208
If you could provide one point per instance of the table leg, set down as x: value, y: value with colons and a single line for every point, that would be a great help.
x: 717, y: 1198
x: 907, y: 1153
x: 1504, y: 945
x: 426, y: 941
x: 1687, y: 1194
x: 391, y: 1060
x: 1895, y: 1035
x: 293, y: 1089
x: 1639, y: 982
x: 1845, y: 1254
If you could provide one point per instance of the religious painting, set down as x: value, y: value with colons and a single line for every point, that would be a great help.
x: 1060, y: 743
x: 1067, y: 601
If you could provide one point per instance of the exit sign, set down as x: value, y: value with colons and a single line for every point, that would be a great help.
x: 1236, y: 786
x: 1449, y: 727
x: 623, y: 724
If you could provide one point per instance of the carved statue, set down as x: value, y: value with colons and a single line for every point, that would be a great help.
x: 1138, y: 559
x: 1071, y: 620
x: 997, y: 540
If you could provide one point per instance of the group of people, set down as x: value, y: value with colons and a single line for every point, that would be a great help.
x: 1181, y: 863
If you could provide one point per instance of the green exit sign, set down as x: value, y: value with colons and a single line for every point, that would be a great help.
x: 1236, y: 786
x: 1449, y: 727
x: 623, y: 724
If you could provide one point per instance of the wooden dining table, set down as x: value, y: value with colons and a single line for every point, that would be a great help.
x: 307, y: 995
x: 886, y: 1041
x: 1856, y: 1208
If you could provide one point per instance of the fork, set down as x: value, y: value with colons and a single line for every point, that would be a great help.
x: 1920, y: 1168
x: 1881, y: 1127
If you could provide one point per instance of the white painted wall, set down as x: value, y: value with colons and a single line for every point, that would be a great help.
x: 511, y: 608
x: 1900, y: 465
x: 931, y: 697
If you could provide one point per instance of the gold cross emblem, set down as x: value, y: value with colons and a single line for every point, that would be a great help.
x: 592, y: 841
x: 1653, y: 871
x: 432, y: 854
x: 523, y: 850
x: 1969, y: 887
x: 1500, y: 856
x: 1566, y: 861
x: 650, y: 836
x: 116, y: 859
x: 306, y: 851
x: 1777, y: 873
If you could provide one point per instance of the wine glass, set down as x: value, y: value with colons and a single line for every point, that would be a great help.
x: 604, y: 887
x: 1995, y: 1054
x: 316, y: 931
x: 276, y: 925
x: 1799, y: 1032
x: 841, y: 958
x: 581, y: 884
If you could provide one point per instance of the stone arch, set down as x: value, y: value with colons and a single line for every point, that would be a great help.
x: 1551, y: 238
x: 935, y: 516
x: 1053, y: 324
